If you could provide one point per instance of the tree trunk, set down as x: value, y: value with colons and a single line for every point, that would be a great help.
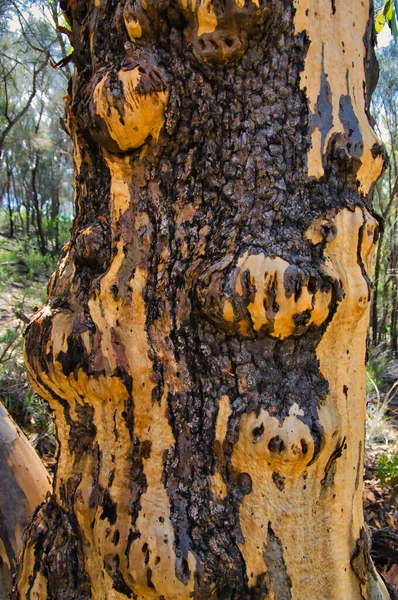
x: 24, y: 485
x: 55, y: 206
x: 393, y: 265
x: 374, y: 305
x: 203, y: 344
x: 38, y: 209
x: 9, y: 203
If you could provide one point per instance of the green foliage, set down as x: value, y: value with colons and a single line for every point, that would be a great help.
x: 8, y: 256
x: 24, y: 405
x: 387, y: 14
x: 24, y: 263
x: 28, y: 409
x: 9, y: 336
x: 387, y: 471
x: 36, y: 189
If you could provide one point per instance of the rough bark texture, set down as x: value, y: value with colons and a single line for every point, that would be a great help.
x: 203, y: 344
x: 24, y: 485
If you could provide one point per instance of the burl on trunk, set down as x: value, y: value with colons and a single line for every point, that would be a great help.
x: 203, y: 343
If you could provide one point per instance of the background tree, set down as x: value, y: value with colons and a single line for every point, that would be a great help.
x: 384, y: 305
x: 387, y: 14
x: 23, y: 54
x: 35, y: 178
x: 203, y: 341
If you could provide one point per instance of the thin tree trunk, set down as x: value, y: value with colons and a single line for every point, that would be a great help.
x: 203, y: 345
x: 38, y: 210
x: 18, y: 200
x: 27, y: 219
x: 55, y: 206
x: 394, y: 287
x: 385, y: 309
x: 9, y: 204
x: 375, y: 305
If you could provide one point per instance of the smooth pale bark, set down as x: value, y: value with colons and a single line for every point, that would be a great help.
x: 24, y: 486
x: 203, y: 344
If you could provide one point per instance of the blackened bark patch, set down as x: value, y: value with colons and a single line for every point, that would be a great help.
x: 36, y: 341
x: 96, y: 494
x: 291, y: 280
x: 276, y: 445
x: 74, y: 358
x: 124, y: 376
x: 7, y: 572
x: 132, y: 536
x: 111, y: 477
x: 157, y: 391
x: 323, y: 117
x: 279, y: 481
x: 82, y: 431
x: 138, y: 481
x: 330, y: 468
x: 273, y: 557
x: 257, y: 433
x: 351, y: 126
x: 111, y: 563
x: 364, y: 568
x: 93, y: 246
x: 371, y: 64
x: 260, y: 590
x: 58, y: 554
x: 359, y: 463
x: 109, y: 509
x: 121, y: 586
x: 128, y: 416
x: 116, y: 537
x: 361, y: 233
x: 391, y: 590
x: 69, y: 490
x: 244, y: 482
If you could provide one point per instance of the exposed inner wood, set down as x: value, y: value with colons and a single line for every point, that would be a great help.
x: 332, y: 77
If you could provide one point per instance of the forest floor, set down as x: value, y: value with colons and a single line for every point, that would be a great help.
x: 23, y: 290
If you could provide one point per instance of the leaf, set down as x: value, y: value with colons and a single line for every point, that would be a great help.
x: 394, y: 27
x: 388, y: 10
x: 380, y: 21
x: 369, y: 496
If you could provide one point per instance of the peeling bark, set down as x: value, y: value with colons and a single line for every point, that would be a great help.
x: 24, y: 485
x: 203, y: 341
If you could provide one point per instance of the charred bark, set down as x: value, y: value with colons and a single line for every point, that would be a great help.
x: 203, y: 342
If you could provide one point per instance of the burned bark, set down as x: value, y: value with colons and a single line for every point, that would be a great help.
x: 203, y: 342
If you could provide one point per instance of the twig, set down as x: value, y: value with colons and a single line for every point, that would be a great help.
x: 21, y: 316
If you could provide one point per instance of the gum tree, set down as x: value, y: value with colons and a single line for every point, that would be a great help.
x: 203, y: 343
x: 25, y: 483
